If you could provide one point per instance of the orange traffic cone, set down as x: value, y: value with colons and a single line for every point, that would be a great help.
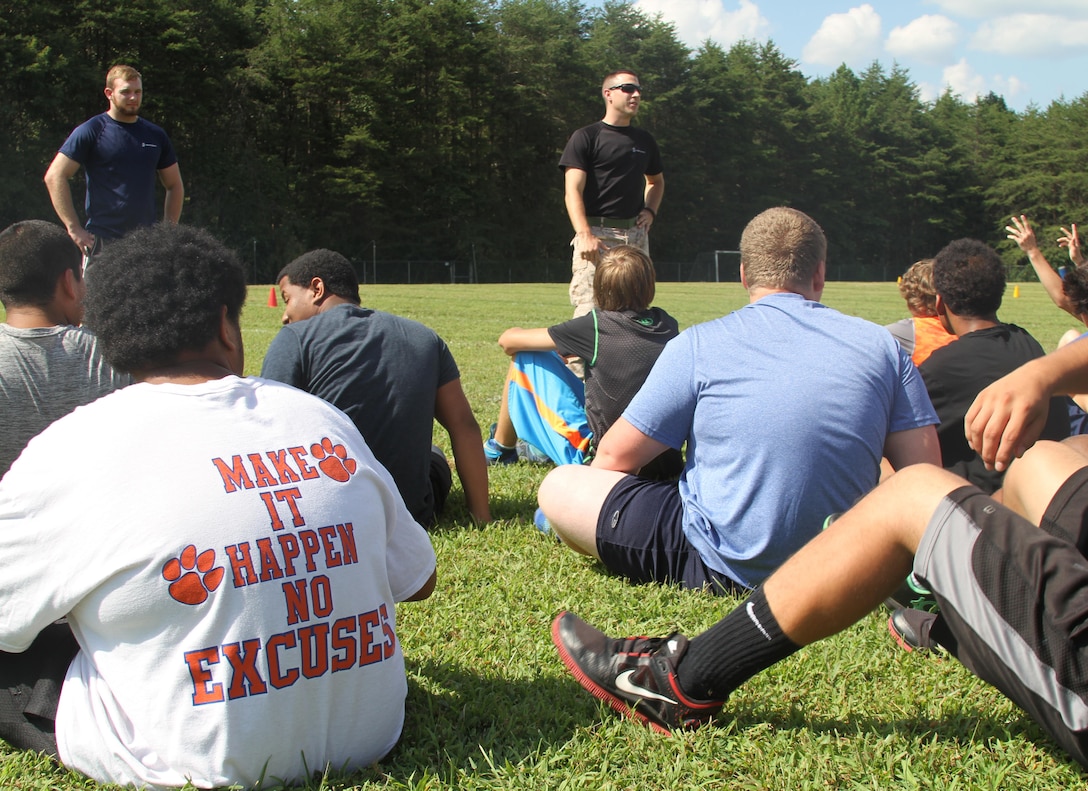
x: 272, y: 298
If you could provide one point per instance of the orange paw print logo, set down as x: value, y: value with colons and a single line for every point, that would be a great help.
x: 333, y: 460
x: 192, y: 577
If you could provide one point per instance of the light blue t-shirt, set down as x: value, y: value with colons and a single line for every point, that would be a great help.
x: 785, y: 405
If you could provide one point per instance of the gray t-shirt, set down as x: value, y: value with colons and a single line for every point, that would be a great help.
x: 45, y: 373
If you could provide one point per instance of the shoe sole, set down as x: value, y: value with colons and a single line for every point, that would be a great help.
x: 899, y: 638
x: 618, y: 704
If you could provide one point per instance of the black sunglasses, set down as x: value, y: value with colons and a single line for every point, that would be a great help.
x: 627, y: 87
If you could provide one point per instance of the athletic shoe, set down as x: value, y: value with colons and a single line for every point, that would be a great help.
x: 542, y: 523
x: 496, y: 453
x: 531, y: 453
x: 912, y: 595
x: 911, y: 629
x: 636, y: 676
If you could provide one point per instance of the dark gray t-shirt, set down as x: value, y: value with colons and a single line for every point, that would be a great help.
x: 384, y: 371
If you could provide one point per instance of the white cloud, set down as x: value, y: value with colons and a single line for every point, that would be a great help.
x: 1032, y: 35
x: 852, y: 38
x: 965, y: 81
x: 929, y: 39
x: 982, y: 9
x: 699, y: 20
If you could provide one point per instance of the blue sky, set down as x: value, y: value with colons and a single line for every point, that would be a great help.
x: 1028, y: 52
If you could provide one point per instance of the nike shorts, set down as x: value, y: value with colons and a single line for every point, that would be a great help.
x: 640, y: 535
x: 1014, y: 599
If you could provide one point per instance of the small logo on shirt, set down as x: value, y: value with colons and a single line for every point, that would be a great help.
x: 192, y: 576
x: 149, y: 145
x: 333, y: 460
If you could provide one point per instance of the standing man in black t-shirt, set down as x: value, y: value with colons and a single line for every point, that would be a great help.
x: 613, y: 184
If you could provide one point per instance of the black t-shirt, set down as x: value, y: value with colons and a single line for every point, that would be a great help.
x: 954, y: 375
x: 616, y: 160
x: 620, y: 348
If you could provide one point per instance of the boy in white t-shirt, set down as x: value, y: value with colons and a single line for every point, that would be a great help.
x: 227, y: 551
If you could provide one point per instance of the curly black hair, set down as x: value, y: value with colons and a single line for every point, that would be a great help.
x: 1075, y: 286
x: 33, y: 255
x: 160, y: 291
x: 335, y: 271
x: 969, y: 276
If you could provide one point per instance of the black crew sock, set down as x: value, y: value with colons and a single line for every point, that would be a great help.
x: 733, y: 650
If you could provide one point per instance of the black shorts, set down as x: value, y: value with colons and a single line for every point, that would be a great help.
x: 640, y: 534
x: 1014, y: 599
x: 30, y: 685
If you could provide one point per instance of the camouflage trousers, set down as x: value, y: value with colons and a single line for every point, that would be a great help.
x: 581, y: 281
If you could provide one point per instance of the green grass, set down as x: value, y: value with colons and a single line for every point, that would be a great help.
x: 491, y: 707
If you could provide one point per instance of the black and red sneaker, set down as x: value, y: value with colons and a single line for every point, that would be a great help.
x: 636, y: 676
x: 911, y: 629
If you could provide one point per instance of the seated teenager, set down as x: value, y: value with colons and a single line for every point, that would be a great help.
x: 970, y: 280
x: 923, y: 331
x: 227, y: 552
x: 49, y: 365
x: 547, y: 406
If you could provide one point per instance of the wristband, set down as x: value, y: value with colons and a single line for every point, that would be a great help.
x: 651, y: 211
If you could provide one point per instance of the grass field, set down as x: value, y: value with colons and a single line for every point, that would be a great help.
x: 491, y: 707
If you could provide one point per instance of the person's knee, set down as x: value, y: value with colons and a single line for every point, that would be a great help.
x: 905, y: 502
x: 556, y: 489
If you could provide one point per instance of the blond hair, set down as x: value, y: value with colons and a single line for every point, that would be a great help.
x: 121, y: 72
x: 781, y: 248
x: 624, y: 279
x: 916, y: 287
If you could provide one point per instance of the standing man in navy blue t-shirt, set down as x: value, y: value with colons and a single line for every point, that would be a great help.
x: 613, y: 184
x: 121, y: 155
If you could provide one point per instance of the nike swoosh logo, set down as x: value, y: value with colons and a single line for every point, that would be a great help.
x: 623, y: 683
x: 751, y: 610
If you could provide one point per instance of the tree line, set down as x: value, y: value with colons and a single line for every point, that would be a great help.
x: 429, y: 131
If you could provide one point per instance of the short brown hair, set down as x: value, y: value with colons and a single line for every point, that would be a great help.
x: 624, y: 279
x: 610, y: 78
x: 121, y: 72
x: 916, y: 287
x: 781, y: 248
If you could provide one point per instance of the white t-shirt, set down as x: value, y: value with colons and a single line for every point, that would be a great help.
x: 228, y: 555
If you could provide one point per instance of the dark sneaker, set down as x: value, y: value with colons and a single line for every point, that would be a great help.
x: 496, y: 453
x: 636, y: 676
x: 911, y: 629
x: 913, y: 595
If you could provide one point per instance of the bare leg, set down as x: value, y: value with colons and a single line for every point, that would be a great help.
x: 571, y: 497
x: 855, y: 564
x: 504, y: 428
x: 1033, y: 479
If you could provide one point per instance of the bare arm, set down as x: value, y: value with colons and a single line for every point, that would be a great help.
x: 626, y: 449
x: 175, y: 193
x: 1008, y: 416
x: 60, y: 171
x: 452, y: 411
x: 1020, y: 232
x: 516, y: 340
x: 655, y: 191
x: 913, y: 446
x: 427, y: 589
x: 574, y: 184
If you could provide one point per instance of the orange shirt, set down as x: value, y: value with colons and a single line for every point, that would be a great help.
x: 929, y: 335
